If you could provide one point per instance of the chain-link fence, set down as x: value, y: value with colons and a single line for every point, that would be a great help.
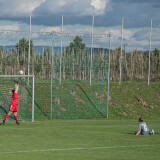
x: 71, y: 71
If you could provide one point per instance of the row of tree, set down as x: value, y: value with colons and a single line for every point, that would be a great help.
x: 76, y: 62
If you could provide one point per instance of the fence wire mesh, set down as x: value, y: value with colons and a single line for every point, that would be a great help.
x: 79, y: 69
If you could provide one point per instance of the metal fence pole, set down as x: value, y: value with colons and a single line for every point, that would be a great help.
x: 33, y: 99
x: 52, y: 76
x: 120, y: 76
x: 149, y: 62
x: 108, y: 74
x: 29, y: 52
x: 91, y: 51
x: 60, y: 79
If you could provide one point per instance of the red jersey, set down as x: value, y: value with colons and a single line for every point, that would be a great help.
x: 15, y: 99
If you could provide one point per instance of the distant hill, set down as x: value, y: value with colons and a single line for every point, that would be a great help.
x: 39, y: 49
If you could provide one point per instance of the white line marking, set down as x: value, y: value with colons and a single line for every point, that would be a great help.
x: 68, y: 149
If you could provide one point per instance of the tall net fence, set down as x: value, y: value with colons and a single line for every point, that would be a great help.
x: 71, y: 71
x: 73, y: 96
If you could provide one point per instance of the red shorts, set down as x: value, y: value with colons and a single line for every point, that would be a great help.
x: 13, y: 108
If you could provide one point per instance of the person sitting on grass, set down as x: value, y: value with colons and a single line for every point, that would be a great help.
x: 143, y: 129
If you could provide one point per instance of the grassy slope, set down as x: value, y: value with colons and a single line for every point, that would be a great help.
x: 123, y: 102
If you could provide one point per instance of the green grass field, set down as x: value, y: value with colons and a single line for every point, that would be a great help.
x: 94, y: 139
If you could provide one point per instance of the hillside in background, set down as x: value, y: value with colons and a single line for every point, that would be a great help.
x: 134, y: 99
x: 75, y: 99
x: 79, y: 100
x: 57, y: 50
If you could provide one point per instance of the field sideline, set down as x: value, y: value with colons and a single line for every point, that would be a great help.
x: 95, y: 139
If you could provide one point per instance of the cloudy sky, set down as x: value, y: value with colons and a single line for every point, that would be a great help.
x: 46, y: 16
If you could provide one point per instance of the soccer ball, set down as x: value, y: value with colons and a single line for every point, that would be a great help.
x: 20, y: 72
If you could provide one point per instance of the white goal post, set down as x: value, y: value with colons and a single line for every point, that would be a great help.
x: 25, y: 76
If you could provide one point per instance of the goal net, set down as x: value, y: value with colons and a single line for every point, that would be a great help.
x: 26, y: 96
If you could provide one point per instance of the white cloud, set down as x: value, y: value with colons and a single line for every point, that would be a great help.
x: 18, y: 8
x: 76, y: 7
x: 50, y: 29
x: 99, y: 6
x: 128, y: 34
x: 15, y: 27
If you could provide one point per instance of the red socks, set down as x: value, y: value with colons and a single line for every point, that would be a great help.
x: 7, y: 115
x: 15, y: 117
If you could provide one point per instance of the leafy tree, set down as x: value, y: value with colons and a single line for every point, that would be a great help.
x: 23, y: 44
x: 76, y: 45
x: 156, y: 52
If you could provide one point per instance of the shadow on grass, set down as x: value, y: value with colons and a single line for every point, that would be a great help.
x: 133, y: 133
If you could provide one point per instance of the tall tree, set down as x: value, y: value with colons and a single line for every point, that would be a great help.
x: 23, y: 45
x: 76, y: 45
x: 156, y: 52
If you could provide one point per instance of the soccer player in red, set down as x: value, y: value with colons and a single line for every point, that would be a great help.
x: 13, y: 104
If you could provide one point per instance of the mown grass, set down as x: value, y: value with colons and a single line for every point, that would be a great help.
x: 96, y: 139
